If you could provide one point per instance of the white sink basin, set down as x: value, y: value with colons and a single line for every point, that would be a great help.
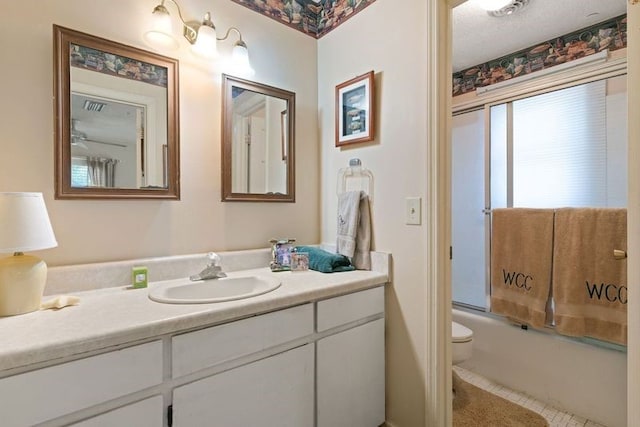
x: 185, y: 291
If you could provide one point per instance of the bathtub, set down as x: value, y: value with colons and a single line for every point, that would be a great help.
x: 576, y: 377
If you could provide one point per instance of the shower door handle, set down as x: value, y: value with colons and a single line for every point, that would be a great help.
x: 619, y: 254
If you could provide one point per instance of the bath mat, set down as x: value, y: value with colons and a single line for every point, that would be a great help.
x: 474, y: 407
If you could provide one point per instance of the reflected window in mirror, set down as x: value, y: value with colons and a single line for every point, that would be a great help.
x: 116, y: 120
x: 258, y: 132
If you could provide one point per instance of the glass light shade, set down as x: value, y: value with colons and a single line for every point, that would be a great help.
x: 24, y: 223
x: 206, y: 43
x: 160, y: 34
x: 493, y: 5
x: 239, y: 63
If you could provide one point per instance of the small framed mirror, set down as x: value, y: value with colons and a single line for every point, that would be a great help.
x: 116, y: 120
x: 258, y: 142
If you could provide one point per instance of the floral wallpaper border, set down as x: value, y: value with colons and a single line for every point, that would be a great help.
x: 610, y: 34
x: 116, y: 65
x: 312, y: 18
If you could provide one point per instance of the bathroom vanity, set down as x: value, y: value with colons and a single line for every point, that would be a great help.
x: 310, y: 353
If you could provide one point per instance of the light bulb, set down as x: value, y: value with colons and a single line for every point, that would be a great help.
x: 161, y: 33
x: 493, y: 5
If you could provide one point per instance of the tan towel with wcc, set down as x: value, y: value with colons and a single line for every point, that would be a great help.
x: 589, y: 284
x: 521, y: 254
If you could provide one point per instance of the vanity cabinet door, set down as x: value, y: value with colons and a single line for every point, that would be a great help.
x: 350, y: 377
x: 275, y: 391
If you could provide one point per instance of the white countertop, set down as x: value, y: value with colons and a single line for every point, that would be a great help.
x: 115, y: 316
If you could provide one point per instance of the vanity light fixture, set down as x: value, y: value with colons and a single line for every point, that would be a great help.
x: 201, y: 35
x: 24, y: 226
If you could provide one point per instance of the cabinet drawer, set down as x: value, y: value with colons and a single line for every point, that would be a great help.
x: 146, y: 413
x: 232, y: 340
x: 348, y: 308
x: 62, y: 389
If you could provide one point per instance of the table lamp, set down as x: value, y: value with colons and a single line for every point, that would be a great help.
x: 24, y: 226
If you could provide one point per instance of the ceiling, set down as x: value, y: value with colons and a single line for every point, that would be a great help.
x: 479, y: 37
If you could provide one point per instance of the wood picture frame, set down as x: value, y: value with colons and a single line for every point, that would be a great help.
x: 355, y: 116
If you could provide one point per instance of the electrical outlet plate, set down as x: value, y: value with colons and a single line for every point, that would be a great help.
x: 414, y: 210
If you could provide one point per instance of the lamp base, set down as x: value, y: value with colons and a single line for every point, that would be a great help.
x: 22, y: 281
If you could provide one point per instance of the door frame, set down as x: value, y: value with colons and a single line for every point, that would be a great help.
x: 437, y: 366
x: 633, y: 212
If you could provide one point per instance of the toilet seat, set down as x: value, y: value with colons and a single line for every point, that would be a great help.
x: 460, y: 333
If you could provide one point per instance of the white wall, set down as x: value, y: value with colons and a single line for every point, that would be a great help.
x: 90, y: 231
x: 390, y: 40
x: 576, y: 377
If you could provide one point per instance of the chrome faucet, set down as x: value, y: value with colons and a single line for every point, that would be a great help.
x: 212, y: 270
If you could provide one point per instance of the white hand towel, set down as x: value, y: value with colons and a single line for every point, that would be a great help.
x: 362, y: 256
x: 354, y: 228
x: 348, y: 218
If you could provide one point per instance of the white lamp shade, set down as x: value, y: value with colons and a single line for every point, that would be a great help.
x: 160, y: 34
x: 24, y: 223
x: 493, y: 5
x: 206, y: 43
x: 239, y: 63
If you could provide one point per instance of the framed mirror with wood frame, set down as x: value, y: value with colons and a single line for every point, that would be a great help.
x: 258, y: 142
x: 116, y: 120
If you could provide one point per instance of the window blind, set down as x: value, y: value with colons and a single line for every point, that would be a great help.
x: 560, y: 148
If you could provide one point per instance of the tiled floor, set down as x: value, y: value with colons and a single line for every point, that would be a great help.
x: 555, y: 417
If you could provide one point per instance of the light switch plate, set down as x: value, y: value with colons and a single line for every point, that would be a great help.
x: 414, y: 210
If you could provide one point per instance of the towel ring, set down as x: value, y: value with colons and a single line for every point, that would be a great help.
x: 355, y: 178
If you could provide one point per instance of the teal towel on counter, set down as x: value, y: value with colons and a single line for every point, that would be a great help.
x: 325, y: 262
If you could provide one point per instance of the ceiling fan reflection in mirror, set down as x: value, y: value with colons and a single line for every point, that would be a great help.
x: 500, y: 8
x: 78, y: 138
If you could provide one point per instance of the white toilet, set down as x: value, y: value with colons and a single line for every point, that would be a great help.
x: 461, y: 338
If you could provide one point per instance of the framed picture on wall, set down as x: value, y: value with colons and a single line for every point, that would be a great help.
x: 354, y: 110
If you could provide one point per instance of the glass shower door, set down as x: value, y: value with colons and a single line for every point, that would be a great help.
x: 468, y: 263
